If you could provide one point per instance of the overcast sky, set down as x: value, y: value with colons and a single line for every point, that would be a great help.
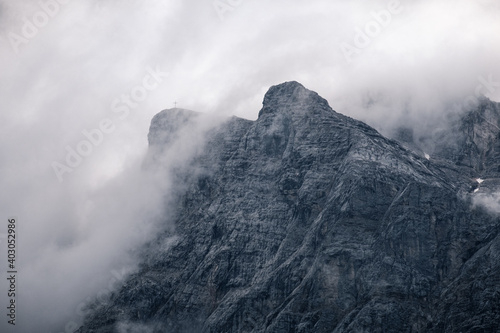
x: 70, y: 68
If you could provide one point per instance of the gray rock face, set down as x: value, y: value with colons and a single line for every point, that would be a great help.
x: 476, y: 140
x: 306, y: 220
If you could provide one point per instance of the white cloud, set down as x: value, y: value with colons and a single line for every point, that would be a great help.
x: 489, y: 201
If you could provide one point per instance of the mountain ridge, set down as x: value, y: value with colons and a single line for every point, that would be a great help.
x: 306, y: 220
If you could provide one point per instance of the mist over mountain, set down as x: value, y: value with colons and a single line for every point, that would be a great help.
x: 306, y: 220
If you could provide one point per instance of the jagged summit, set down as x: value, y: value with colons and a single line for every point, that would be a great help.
x: 165, y: 124
x: 290, y: 96
x: 283, y: 91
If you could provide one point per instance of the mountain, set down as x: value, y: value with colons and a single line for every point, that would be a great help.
x: 306, y: 220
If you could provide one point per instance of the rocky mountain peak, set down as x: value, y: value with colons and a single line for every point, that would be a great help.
x: 166, y: 124
x: 291, y: 97
x: 306, y: 220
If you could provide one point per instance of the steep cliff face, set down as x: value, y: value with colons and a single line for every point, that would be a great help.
x: 473, y: 140
x: 306, y: 220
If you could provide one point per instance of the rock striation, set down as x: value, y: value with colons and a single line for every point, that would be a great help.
x: 306, y: 220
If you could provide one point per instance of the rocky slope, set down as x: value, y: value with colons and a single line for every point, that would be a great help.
x: 306, y: 220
